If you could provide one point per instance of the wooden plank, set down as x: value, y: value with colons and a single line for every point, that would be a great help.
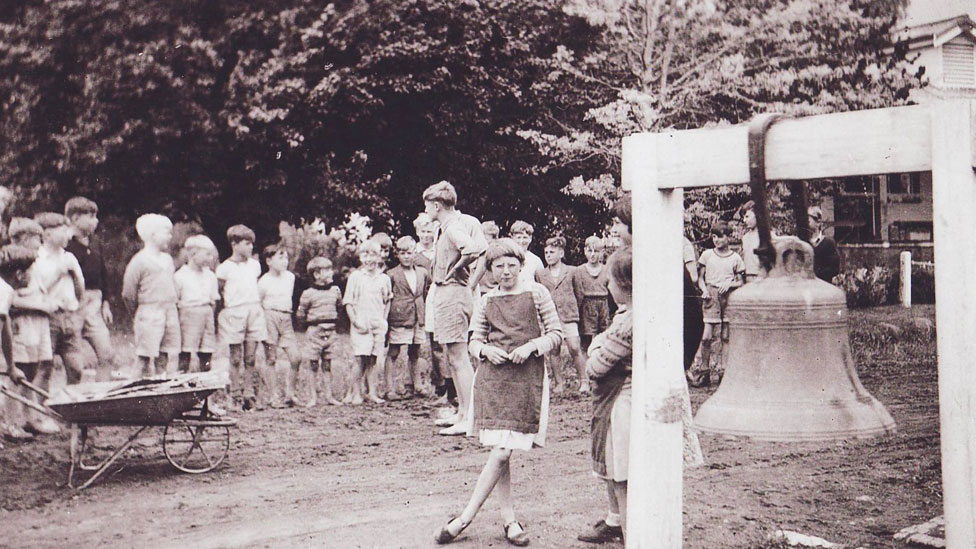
x: 868, y: 142
x: 655, y: 478
x: 954, y: 197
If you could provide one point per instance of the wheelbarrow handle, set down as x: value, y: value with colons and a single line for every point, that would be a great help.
x: 31, y: 386
x: 29, y: 403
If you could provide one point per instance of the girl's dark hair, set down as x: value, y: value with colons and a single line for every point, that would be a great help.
x: 622, y: 209
x: 621, y: 265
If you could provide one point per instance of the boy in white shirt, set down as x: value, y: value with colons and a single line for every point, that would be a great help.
x: 197, y: 296
x: 241, y: 323
x: 521, y: 232
x: 149, y: 289
x: 277, y: 289
x: 367, y: 302
x: 58, y: 275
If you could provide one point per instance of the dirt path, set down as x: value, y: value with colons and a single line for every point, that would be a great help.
x: 377, y: 476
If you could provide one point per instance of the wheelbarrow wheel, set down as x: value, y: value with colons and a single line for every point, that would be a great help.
x: 195, y: 447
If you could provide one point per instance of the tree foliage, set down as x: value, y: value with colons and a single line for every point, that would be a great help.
x: 679, y: 64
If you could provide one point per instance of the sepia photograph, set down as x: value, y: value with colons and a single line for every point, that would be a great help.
x: 564, y: 274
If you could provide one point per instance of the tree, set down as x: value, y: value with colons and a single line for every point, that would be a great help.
x: 677, y: 64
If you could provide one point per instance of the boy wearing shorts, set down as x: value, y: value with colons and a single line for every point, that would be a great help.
x: 567, y: 293
x: 149, y: 289
x: 721, y: 270
x: 410, y: 285
x: 367, y: 302
x: 197, y: 296
x: 15, y: 263
x: 318, y: 310
x: 595, y: 303
x: 58, y: 275
x: 277, y: 289
x: 241, y: 323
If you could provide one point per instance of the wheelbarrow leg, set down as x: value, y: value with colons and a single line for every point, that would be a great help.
x: 73, y: 451
x: 111, y: 459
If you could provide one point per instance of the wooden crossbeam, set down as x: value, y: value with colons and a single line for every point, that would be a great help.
x: 892, y: 140
x: 941, y: 138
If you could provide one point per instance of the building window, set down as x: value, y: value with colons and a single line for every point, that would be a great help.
x: 857, y: 210
x: 959, y: 64
x: 904, y: 187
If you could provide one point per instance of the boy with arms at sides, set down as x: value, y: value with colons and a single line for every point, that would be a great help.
x: 241, y: 323
x: 277, y: 288
x: 367, y: 302
x: 58, y: 274
x: 595, y: 303
x: 721, y: 271
x: 521, y: 232
x: 82, y: 215
x: 197, y: 296
x: 567, y: 293
x: 318, y: 310
x: 410, y: 284
x: 15, y: 263
x: 149, y: 289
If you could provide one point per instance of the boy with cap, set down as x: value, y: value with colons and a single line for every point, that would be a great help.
x: 149, y: 289
x: 15, y: 263
x: 721, y: 271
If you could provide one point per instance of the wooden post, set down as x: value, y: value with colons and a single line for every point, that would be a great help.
x: 654, y: 496
x: 905, y: 288
x: 954, y: 197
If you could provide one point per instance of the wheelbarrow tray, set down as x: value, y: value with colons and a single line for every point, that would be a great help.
x: 146, y: 402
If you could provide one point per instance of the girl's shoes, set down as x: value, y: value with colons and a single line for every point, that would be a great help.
x: 444, y: 535
x: 518, y: 539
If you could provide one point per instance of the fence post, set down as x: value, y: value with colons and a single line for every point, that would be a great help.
x: 905, y: 288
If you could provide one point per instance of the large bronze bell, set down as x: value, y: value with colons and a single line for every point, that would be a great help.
x: 790, y: 376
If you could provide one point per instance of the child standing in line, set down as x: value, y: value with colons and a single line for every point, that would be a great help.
x: 277, y: 289
x: 31, y: 324
x: 318, y: 310
x: 592, y: 279
x: 367, y: 302
x: 149, y: 289
x: 721, y: 271
x: 410, y: 284
x: 197, y: 296
x: 567, y: 293
x: 241, y: 324
x: 59, y: 275
x: 15, y: 264
x: 521, y: 232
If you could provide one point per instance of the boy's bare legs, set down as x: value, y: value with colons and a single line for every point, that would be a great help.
x: 327, y: 383
x: 392, y: 391
x: 374, y: 373
x: 556, y: 367
x: 38, y: 422
x: 703, y: 377
x: 414, y: 381
x: 251, y: 375
x: 162, y: 363
x: 236, y: 356
x: 576, y: 355
x: 184, y: 363
x: 460, y: 365
x: 355, y: 394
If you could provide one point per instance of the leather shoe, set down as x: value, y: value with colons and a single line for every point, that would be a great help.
x: 602, y: 533
x: 521, y: 539
x: 444, y: 534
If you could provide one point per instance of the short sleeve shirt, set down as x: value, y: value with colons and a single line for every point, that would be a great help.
x: 369, y: 294
x: 531, y: 266
x: 240, y: 282
x: 195, y: 288
x: 6, y: 297
x: 459, y: 235
x: 721, y: 268
x: 54, y: 280
x: 276, y: 291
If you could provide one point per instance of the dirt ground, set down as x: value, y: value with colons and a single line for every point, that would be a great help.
x: 379, y: 476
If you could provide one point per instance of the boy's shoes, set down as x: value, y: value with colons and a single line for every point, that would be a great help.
x: 249, y: 404
x: 602, y: 533
x: 457, y: 429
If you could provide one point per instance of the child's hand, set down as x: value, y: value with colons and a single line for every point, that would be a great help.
x: 723, y: 287
x: 377, y: 325
x: 706, y: 294
x: 494, y: 355
x: 358, y: 326
x: 16, y: 375
x: 522, y: 353
x: 48, y: 306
